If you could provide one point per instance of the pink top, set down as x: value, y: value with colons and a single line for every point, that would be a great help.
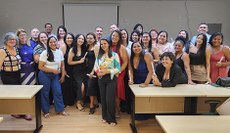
x: 218, y: 71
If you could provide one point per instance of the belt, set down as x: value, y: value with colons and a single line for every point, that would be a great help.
x: 27, y: 63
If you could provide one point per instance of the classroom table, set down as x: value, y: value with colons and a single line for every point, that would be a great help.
x: 21, y: 99
x: 194, y: 123
x: 181, y: 99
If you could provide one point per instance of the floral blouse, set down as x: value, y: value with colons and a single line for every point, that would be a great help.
x: 112, y: 64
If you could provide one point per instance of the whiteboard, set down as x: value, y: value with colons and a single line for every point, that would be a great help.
x: 84, y: 18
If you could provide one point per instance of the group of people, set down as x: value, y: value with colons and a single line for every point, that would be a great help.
x: 88, y: 68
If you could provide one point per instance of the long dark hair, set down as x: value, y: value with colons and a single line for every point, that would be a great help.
x: 132, y: 54
x: 101, y: 51
x: 50, y: 54
x: 150, y: 41
x: 39, y: 41
x: 202, y: 49
x: 71, y: 45
x: 83, y: 46
x: 119, y: 42
x: 61, y: 27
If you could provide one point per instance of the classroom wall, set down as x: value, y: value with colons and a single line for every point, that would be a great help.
x: 167, y: 15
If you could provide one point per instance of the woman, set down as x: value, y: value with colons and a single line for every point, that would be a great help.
x: 26, y: 52
x: 125, y: 41
x: 77, y: 60
x: 135, y: 36
x: 162, y: 44
x: 140, y: 66
x: 168, y: 74
x: 146, y: 43
x: 107, y: 67
x: 116, y: 41
x: 182, y: 59
x: 41, y: 46
x: 92, y: 82
x: 220, y: 57
x: 51, y: 64
x: 61, y: 32
x: 184, y: 34
x: 139, y: 27
x: 10, y: 62
x: 200, y: 60
x: 154, y: 34
x: 67, y: 85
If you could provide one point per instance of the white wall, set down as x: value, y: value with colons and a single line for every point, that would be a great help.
x: 160, y: 14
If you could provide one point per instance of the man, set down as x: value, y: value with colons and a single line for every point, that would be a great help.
x: 49, y: 29
x: 203, y: 28
x: 111, y: 29
x: 99, y: 33
x: 34, y: 36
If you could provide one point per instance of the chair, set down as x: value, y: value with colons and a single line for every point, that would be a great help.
x: 212, y: 104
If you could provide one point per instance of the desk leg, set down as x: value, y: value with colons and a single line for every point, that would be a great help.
x: 190, y: 105
x: 132, y: 124
x: 38, y: 113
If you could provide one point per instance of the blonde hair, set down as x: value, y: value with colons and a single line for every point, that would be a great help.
x: 20, y: 30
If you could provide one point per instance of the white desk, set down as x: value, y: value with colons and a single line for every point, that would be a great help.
x: 21, y: 99
x: 179, y: 99
x: 194, y: 124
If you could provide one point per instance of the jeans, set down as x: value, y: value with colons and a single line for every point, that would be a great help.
x: 50, y: 81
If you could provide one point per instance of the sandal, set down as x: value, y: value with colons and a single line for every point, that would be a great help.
x: 103, y: 121
x: 17, y: 116
x: 28, y: 117
x: 64, y: 113
x: 113, y: 124
x: 80, y: 107
x: 46, y: 115
x: 91, y: 111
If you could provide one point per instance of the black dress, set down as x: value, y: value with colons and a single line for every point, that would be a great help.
x: 92, y: 84
x: 79, y: 76
x: 67, y: 85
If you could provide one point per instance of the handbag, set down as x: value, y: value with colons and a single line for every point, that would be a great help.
x: 225, y: 82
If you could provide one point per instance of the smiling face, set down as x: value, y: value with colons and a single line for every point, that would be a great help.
x: 61, y: 32
x: 22, y: 36
x: 104, y: 45
x: 183, y: 34
x: 124, y: 35
x: 80, y: 40
x: 135, y: 37
x: 69, y: 39
x: 90, y: 39
x: 53, y: 43
x: 145, y: 38
x: 166, y: 62
x: 136, y: 48
x: 43, y: 38
x: 162, y: 38
x: 11, y: 42
x: 203, y: 28
x: 217, y: 41
x: 34, y: 33
x: 115, y: 38
x: 199, y: 39
x: 178, y: 46
x: 99, y: 32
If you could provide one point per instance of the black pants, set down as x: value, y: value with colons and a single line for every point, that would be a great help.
x: 12, y: 78
x: 108, y: 92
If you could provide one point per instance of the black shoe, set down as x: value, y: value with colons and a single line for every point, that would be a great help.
x: 91, y: 111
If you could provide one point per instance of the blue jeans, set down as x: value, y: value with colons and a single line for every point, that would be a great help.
x: 50, y: 81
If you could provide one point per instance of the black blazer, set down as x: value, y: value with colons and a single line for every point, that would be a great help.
x: 176, y: 75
